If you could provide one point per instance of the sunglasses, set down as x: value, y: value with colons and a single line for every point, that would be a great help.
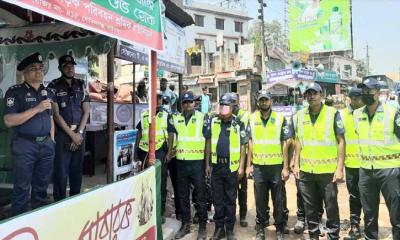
x: 187, y: 102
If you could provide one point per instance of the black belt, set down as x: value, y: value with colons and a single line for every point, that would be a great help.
x: 31, y: 138
x: 221, y: 160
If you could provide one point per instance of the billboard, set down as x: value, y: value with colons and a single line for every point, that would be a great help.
x: 319, y: 26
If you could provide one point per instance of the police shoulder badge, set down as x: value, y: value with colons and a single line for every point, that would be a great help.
x: 10, y: 102
x: 339, y: 124
x: 243, y: 133
x: 398, y: 120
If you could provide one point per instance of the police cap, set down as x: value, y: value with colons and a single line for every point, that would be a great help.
x: 34, y: 58
x: 65, y: 60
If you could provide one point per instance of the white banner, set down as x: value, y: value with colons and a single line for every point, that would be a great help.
x: 122, y: 210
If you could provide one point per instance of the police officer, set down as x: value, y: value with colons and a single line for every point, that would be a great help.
x: 226, y: 141
x: 268, y: 161
x: 243, y: 116
x: 321, y: 145
x: 71, y: 112
x: 378, y: 130
x: 161, y: 143
x: 190, y: 127
x: 352, y: 162
x: 28, y: 111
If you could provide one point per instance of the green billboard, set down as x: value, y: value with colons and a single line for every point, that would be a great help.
x: 319, y: 25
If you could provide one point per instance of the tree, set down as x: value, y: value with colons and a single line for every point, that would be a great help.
x: 362, y: 70
x: 274, y: 36
x: 93, y: 62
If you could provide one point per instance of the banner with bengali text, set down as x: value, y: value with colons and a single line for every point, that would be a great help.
x: 136, y: 22
x: 127, y: 209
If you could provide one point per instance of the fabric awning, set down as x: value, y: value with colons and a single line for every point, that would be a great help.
x: 55, y: 38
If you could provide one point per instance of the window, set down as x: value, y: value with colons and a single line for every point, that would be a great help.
x: 196, y: 59
x: 199, y: 42
x: 219, y: 23
x: 199, y: 20
x: 238, y: 27
x: 211, y: 61
x: 236, y: 47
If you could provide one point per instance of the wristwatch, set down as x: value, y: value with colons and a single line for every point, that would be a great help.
x: 80, y: 131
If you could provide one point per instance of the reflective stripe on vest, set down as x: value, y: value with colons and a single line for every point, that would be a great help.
x: 161, y: 130
x: 318, y: 141
x: 266, y: 140
x: 190, y: 140
x: 234, y: 141
x: 352, y: 159
x: 379, y: 146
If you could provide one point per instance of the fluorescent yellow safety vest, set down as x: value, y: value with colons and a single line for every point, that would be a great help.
x: 267, y: 149
x: 318, y: 141
x: 379, y: 146
x: 234, y: 141
x: 352, y: 159
x: 161, y: 130
x: 243, y: 117
x: 190, y: 140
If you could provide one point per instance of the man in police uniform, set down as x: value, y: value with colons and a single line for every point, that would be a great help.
x: 161, y: 143
x: 71, y: 112
x: 226, y: 141
x: 190, y: 127
x: 377, y: 127
x: 243, y: 116
x: 352, y: 162
x: 268, y: 161
x: 320, y: 143
x: 28, y: 111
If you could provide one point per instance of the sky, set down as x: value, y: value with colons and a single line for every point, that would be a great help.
x: 376, y: 22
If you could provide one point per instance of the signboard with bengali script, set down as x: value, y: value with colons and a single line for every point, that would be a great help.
x: 136, y: 22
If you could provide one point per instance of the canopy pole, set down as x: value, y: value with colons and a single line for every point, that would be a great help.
x: 110, y: 115
x: 180, y: 88
x: 152, y: 106
x: 133, y: 95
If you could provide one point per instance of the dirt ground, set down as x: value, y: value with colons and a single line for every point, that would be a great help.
x: 249, y: 232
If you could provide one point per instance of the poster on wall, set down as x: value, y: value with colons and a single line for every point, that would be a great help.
x: 319, y: 26
x: 124, y: 148
x: 123, y: 114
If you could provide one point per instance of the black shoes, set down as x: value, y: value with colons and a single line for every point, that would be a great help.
x: 185, y: 229
x: 202, y: 235
x: 243, y: 221
x: 219, y: 233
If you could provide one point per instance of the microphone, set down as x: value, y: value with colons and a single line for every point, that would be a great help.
x: 44, y: 94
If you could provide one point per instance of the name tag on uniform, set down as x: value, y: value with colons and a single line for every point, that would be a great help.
x: 257, y: 124
x: 60, y: 94
x: 228, y: 129
x: 30, y: 99
x: 272, y: 120
x: 306, y: 122
x: 362, y: 119
x: 193, y: 120
x: 180, y: 121
x: 63, y: 104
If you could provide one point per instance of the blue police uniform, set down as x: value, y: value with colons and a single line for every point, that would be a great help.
x: 32, y: 148
x: 68, y: 164
x: 223, y: 181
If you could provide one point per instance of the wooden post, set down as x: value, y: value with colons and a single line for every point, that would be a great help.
x: 110, y: 115
x: 153, y: 105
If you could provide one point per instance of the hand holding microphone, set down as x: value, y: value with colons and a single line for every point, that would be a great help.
x: 45, y: 104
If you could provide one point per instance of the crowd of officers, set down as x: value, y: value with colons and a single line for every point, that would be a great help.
x: 317, y: 145
x: 49, y: 133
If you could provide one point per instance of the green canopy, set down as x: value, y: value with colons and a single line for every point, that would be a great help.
x: 54, y: 38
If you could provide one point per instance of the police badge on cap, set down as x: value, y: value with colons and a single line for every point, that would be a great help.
x: 34, y: 58
x: 65, y: 60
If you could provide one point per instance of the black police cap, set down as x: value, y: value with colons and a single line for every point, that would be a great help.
x: 34, y: 58
x: 66, y: 59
